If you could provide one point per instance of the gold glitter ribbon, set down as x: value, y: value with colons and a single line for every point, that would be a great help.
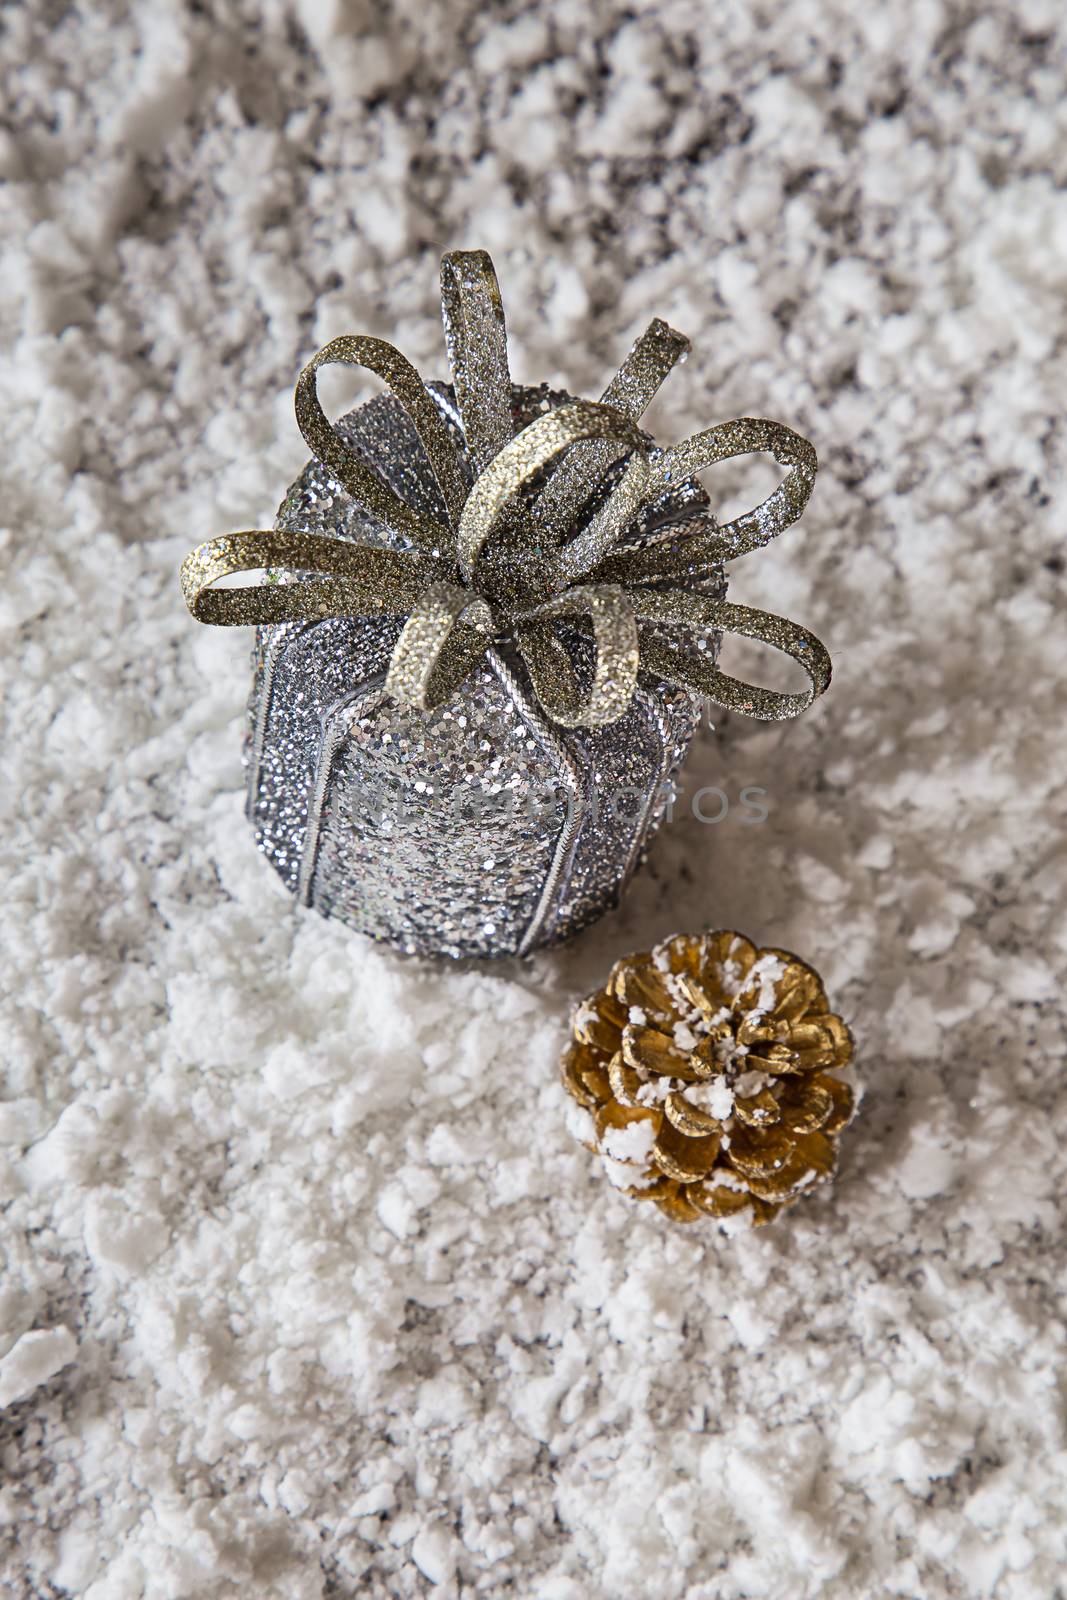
x: 498, y: 564
x: 476, y: 340
x: 630, y: 392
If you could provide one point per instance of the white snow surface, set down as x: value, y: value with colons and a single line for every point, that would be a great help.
x: 332, y: 1303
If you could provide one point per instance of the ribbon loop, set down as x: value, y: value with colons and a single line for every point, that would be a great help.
x: 424, y: 671
x: 358, y: 477
x: 551, y: 670
x: 750, y: 531
x: 523, y: 458
x: 693, y: 670
x: 615, y: 640
x: 608, y: 524
x: 476, y: 340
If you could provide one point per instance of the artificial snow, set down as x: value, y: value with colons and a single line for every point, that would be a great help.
x: 684, y: 1037
x: 34, y: 1358
x: 631, y: 1143
x: 307, y: 1291
x: 714, y: 1095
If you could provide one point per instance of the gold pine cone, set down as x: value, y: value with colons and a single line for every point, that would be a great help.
x: 705, y: 1072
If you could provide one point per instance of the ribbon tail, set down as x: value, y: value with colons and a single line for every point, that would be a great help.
x: 630, y: 392
x: 691, y: 669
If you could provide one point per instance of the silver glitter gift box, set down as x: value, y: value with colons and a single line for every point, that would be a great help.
x: 491, y: 614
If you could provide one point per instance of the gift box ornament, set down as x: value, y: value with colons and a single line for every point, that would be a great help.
x: 491, y: 614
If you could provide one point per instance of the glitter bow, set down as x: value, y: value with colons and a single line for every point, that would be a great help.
x: 536, y: 551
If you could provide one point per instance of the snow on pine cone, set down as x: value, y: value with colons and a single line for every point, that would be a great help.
x: 705, y: 1074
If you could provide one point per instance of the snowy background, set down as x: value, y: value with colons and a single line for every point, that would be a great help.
x: 306, y: 1291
